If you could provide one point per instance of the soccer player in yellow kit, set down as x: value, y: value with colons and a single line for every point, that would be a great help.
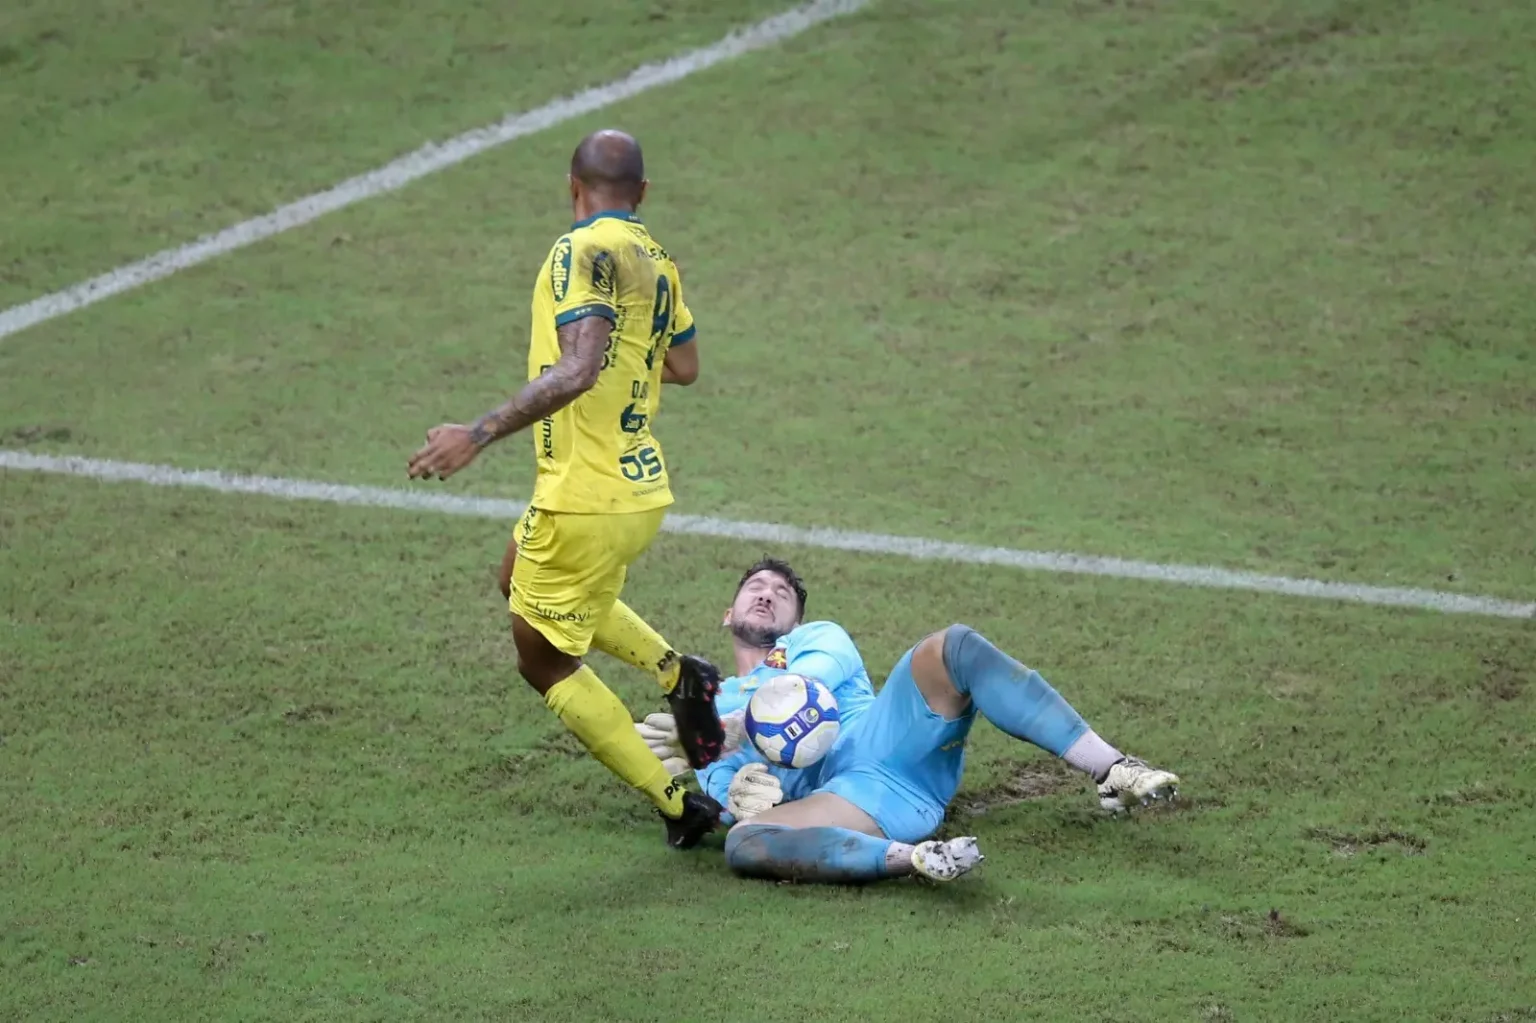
x: 607, y: 307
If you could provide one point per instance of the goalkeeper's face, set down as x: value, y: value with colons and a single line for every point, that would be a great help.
x: 766, y: 608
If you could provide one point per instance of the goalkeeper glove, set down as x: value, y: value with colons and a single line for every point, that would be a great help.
x: 753, y: 790
x: 660, y: 734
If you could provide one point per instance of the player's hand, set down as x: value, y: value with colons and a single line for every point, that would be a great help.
x: 660, y: 734
x: 449, y: 448
x: 735, y: 731
x: 752, y: 791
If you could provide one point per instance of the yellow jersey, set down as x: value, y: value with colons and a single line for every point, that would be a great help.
x: 597, y: 455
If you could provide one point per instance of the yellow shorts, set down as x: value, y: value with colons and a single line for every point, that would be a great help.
x: 571, y: 567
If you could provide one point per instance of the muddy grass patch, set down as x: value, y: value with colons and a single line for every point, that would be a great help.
x: 1022, y: 783
x: 1347, y: 844
x: 1273, y: 925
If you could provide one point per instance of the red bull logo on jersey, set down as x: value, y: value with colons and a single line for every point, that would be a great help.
x: 776, y: 659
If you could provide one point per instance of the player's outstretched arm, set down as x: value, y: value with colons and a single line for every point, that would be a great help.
x: 574, y: 374
x: 452, y: 446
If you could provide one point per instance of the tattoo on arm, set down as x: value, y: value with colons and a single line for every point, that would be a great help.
x: 582, y: 344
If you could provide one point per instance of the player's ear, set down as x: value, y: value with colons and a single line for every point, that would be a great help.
x: 575, y: 187
x: 725, y: 621
x: 645, y: 184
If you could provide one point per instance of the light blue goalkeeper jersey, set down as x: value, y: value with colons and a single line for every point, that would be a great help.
x: 818, y: 650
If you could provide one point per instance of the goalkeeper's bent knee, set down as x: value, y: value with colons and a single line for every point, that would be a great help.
x: 746, y: 851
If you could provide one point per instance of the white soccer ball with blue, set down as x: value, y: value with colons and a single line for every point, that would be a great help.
x: 793, y: 720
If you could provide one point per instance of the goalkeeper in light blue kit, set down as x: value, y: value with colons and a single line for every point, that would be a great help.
x: 866, y: 810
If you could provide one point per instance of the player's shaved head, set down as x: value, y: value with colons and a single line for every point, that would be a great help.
x: 609, y: 163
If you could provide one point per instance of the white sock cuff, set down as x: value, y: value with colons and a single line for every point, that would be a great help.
x: 1092, y: 755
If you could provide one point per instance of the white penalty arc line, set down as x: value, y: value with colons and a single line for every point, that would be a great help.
x: 774, y: 533
x: 429, y: 159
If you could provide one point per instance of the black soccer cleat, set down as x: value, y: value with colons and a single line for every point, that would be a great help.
x: 701, y: 815
x: 692, y: 700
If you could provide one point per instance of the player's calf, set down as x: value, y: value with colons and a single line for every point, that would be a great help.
x: 831, y: 855
x: 1018, y: 700
x: 623, y: 634
x: 599, y: 719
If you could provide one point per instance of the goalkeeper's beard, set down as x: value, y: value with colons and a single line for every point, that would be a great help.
x: 763, y: 637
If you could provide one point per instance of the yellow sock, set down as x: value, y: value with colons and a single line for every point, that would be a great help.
x: 597, y: 717
x: 624, y: 634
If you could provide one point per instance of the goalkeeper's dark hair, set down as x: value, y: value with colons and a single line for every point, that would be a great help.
x: 783, y: 570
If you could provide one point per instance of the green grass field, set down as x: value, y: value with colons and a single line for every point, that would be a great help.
x: 1244, y: 283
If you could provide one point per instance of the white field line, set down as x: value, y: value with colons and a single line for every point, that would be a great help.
x: 429, y: 159
x: 773, y: 533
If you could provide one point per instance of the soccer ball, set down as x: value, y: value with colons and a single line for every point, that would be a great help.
x: 793, y: 720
